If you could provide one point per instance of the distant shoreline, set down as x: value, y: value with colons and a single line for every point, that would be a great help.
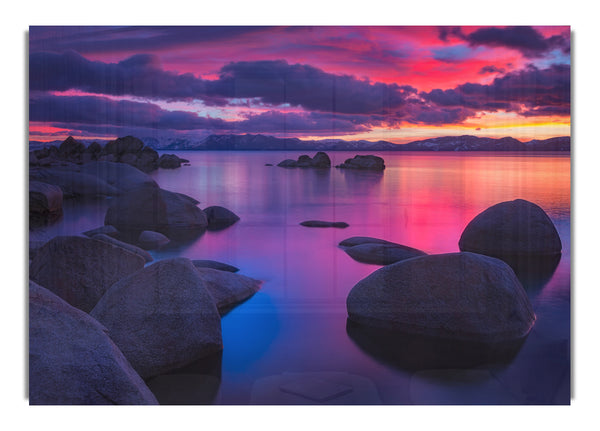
x: 247, y: 142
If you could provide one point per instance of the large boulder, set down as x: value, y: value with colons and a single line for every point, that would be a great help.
x: 219, y: 217
x: 80, y: 270
x: 45, y: 199
x: 161, y: 317
x: 139, y: 209
x: 124, y: 245
x: 226, y: 288
x: 119, y: 175
x: 382, y: 254
x: 73, y: 181
x: 369, y: 162
x: 184, y: 218
x: 124, y: 145
x: 516, y: 227
x: 169, y: 161
x: 153, y: 209
x: 147, y: 160
x: 460, y: 296
x: 321, y: 160
x: 72, y: 360
x: 70, y: 148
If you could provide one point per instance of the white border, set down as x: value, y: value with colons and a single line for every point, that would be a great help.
x: 579, y: 14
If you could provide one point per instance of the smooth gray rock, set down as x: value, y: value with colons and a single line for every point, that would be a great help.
x: 321, y: 160
x: 139, y: 209
x: 169, y: 161
x: 462, y: 296
x: 119, y: 175
x: 227, y: 288
x: 382, y: 254
x: 73, y: 181
x: 72, y: 360
x: 45, y: 199
x: 80, y: 270
x: 203, y: 263
x: 184, y: 218
x: 516, y: 227
x: 369, y: 162
x: 162, y: 317
x: 153, y: 209
x: 358, y: 240
x: 220, y: 217
x: 320, y: 223
x: 287, y: 163
x: 150, y: 240
x: 124, y: 245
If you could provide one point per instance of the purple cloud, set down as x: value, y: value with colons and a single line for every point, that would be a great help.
x: 525, y: 39
x: 491, y: 69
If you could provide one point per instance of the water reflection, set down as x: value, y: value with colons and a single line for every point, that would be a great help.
x: 418, y: 352
x: 196, y: 383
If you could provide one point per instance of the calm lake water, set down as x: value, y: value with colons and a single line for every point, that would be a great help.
x: 296, y: 324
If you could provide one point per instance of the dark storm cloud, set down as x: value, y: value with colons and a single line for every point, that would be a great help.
x: 308, y: 123
x: 139, y: 75
x: 277, y: 82
x: 114, y: 39
x: 541, y: 90
x: 103, y: 111
x: 525, y: 39
x: 273, y: 82
x: 444, y: 33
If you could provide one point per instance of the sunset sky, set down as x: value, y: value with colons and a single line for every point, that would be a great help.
x: 377, y: 83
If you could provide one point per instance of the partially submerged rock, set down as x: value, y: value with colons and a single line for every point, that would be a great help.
x: 369, y: 162
x: 80, y: 270
x: 161, y: 317
x: 321, y: 223
x: 463, y: 296
x: 150, y: 240
x: 73, y: 361
x: 150, y: 208
x: 219, y: 217
x: 226, y: 288
x: 358, y: 240
x: 320, y: 160
x: 203, y: 263
x: 382, y: 254
x: 517, y: 227
x: 169, y: 161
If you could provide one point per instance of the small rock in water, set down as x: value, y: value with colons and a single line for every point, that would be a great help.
x: 382, y: 254
x: 203, y: 263
x: 320, y: 223
x: 357, y: 240
x: 369, y: 162
x: 150, y: 240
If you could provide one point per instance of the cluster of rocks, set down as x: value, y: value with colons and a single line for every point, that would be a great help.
x: 472, y: 296
x: 322, y: 160
x: 128, y: 149
x: 126, y: 322
x: 369, y: 163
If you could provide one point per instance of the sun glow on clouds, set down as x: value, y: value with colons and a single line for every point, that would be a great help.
x: 232, y: 86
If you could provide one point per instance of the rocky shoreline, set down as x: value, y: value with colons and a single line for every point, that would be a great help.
x: 134, y: 320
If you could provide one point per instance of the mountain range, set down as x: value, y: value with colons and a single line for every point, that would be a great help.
x: 270, y: 143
